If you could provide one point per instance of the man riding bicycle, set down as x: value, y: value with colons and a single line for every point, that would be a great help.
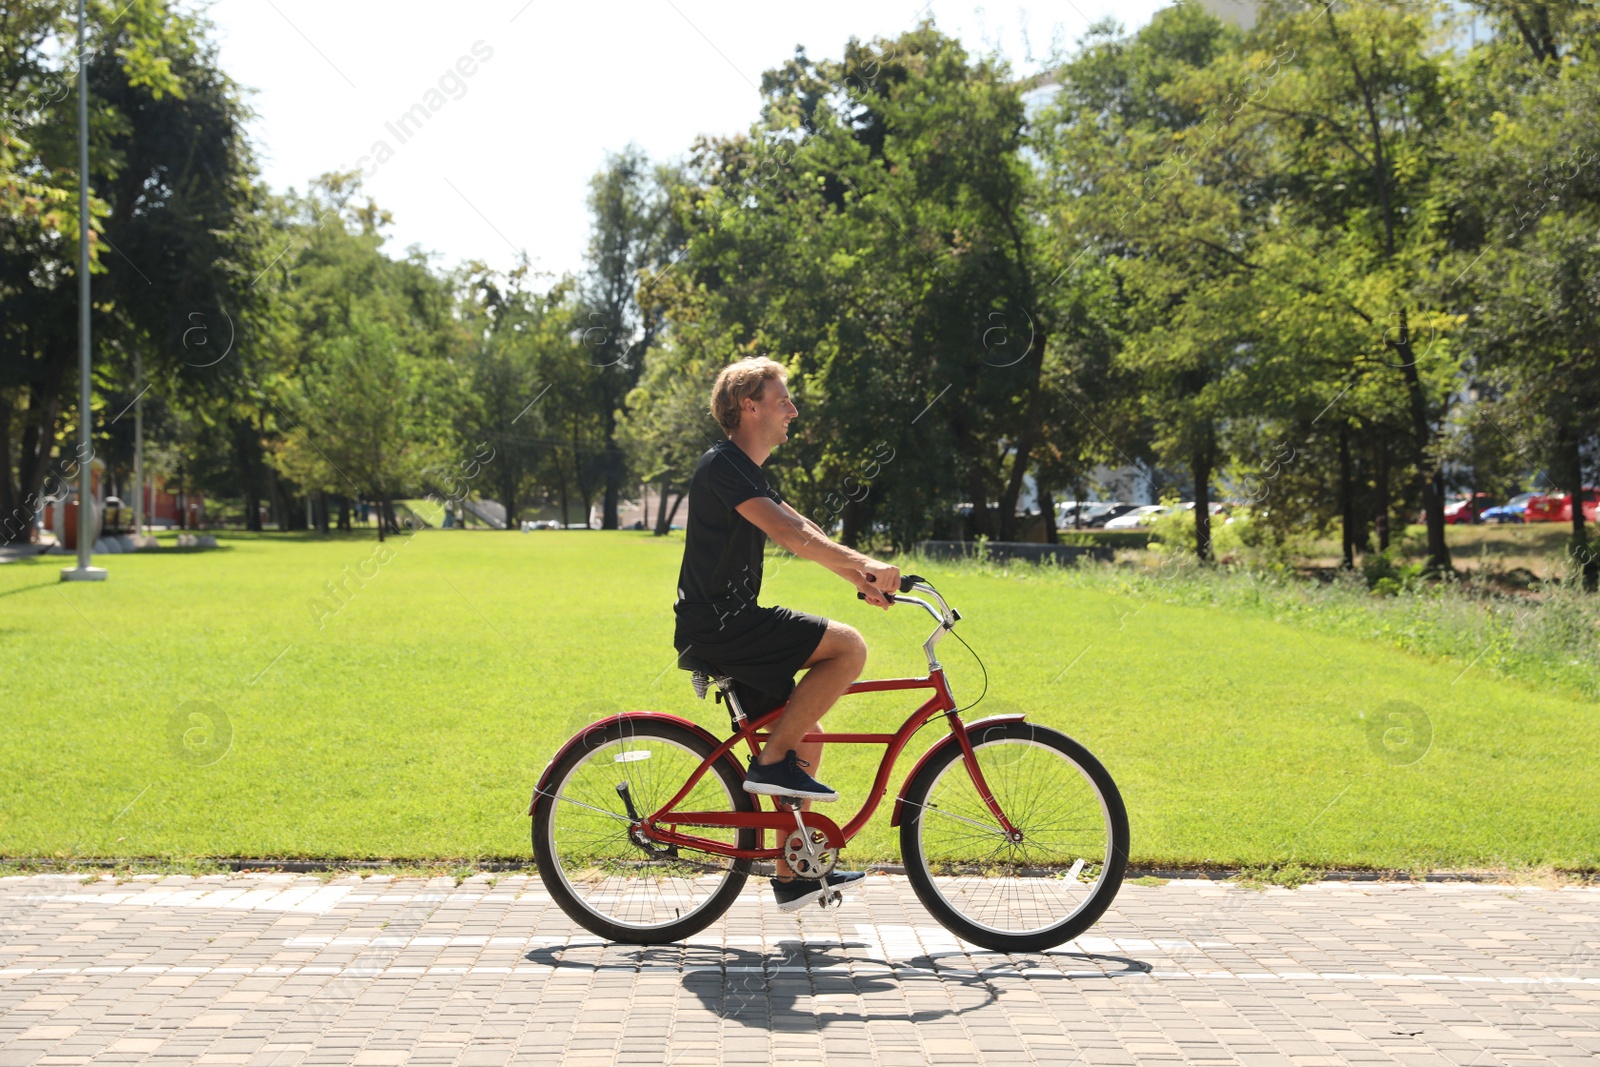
x: 732, y: 512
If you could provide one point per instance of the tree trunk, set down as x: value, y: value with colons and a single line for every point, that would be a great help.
x: 978, y: 525
x: 1432, y: 476
x: 1584, y: 561
x: 1047, y: 508
x: 1025, y: 441
x: 850, y: 522
x: 1380, y: 478
x: 383, y: 506
x: 18, y: 508
x: 322, y: 512
x: 662, y: 521
x: 274, y: 499
x: 561, y: 490
x: 249, y: 466
x: 1200, y: 469
x: 1347, y: 502
x: 33, y: 459
x: 508, y: 492
x: 613, y: 479
x: 344, y: 514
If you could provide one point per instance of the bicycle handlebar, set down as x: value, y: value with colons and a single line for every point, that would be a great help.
x: 944, y: 616
x: 907, y: 581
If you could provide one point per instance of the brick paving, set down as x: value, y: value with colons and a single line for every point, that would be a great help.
x: 280, y: 970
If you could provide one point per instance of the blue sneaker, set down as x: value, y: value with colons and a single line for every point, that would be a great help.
x: 798, y: 892
x: 786, y: 778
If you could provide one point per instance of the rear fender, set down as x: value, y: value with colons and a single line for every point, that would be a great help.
x: 947, y: 742
x: 587, y: 734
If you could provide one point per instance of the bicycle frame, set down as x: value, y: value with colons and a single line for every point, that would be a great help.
x: 661, y: 825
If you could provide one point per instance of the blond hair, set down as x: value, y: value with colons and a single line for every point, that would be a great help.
x: 747, y: 378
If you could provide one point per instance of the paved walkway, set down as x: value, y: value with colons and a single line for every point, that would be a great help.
x: 286, y: 970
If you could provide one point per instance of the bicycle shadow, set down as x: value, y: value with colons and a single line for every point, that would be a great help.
x: 785, y: 989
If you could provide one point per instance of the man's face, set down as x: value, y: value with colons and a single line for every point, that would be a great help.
x: 771, y: 414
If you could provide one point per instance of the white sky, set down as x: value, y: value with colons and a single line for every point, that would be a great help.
x: 503, y: 164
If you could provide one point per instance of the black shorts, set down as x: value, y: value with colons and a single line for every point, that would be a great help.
x: 761, y: 649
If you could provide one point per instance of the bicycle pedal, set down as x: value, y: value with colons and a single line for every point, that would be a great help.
x: 834, y: 899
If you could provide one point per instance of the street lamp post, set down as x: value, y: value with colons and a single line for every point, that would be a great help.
x: 83, y: 572
x: 138, y: 447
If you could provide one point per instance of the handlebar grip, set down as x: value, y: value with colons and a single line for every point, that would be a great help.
x: 863, y: 596
x: 906, y: 582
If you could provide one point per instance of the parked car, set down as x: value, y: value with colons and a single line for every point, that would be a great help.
x: 1511, y: 511
x: 1212, y: 506
x: 1137, y: 517
x: 1113, y: 510
x: 1467, y: 509
x: 1080, y: 513
x: 1553, y: 508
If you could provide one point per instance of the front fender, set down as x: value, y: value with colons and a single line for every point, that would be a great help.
x: 579, y: 739
x: 946, y: 742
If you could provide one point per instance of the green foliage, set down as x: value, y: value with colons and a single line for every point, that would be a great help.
x: 1388, y: 575
x: 1335, y: 266
x: 365, y: 418
x: 185, y: 244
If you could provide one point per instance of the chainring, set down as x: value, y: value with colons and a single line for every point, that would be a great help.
x: 808, y: 854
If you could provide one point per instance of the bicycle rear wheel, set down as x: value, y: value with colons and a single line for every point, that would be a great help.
x: 605, y: 880
x: 1015, y: 895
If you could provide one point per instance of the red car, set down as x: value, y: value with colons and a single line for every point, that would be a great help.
x: 1466, y: 509
x: 1552, y: 508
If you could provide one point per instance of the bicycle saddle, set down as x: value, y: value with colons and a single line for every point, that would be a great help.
x: 695, y: 663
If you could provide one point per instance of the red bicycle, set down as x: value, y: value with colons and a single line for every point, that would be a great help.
x: 1013, y: 835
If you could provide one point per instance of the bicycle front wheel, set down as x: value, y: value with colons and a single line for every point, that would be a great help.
x: 1023, y: 894
x: 596, y: 871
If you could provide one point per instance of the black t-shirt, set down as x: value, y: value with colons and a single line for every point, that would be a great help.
x: 722, y: 549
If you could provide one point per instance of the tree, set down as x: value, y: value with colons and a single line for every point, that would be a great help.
x: 632, y: 232
x: 876, y: 231
x: 1360, y: 117
x: 365, y: 417
x: 1527, y: 237
x: 171, y: 204
x: 520, y: 338
x: 1172, y: 196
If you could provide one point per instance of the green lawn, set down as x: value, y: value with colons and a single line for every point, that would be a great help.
x: 413, y: 721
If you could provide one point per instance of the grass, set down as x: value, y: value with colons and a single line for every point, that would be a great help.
x: 1536, y: 547
x: 407, y: 717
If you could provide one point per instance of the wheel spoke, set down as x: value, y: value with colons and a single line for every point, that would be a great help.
x: 597, y: 864
x: 1013, y: 889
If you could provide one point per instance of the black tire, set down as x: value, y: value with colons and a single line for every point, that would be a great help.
x: 609, y: 884
x: 1008, y: 896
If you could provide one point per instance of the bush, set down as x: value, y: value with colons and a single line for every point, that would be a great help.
x: 1174, y: 532
x: 1387, y: 576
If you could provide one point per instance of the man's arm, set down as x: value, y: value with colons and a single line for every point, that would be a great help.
x: 793, y: 531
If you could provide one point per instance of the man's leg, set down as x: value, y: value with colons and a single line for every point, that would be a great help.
x: 838, y: 660
x: 844, y: 654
